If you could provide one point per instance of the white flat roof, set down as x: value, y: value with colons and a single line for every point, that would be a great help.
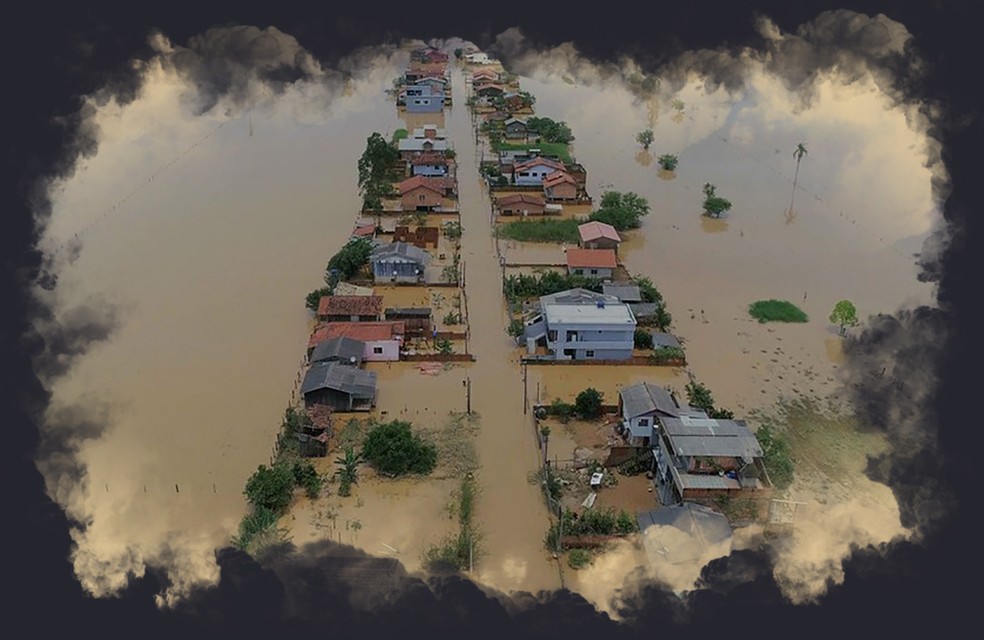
x: 611, y: 313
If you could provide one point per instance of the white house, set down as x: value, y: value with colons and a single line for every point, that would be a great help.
x: 532, y: 172
x: 578, y: 324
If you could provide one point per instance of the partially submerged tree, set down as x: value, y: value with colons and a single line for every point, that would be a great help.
x: 550, y: 130
x: 349, y: 472
x: 667, y: 161
x: 376, y: 169
x: 587, y: 404
x: 394, y: 450
x: 714, y: 205
x: 621, y: 210
x: 645, y: 138
x: 844, y: 315
x: 798, y: 153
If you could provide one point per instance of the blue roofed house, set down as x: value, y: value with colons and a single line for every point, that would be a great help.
x: 399, y: 262
x: 578, y: 324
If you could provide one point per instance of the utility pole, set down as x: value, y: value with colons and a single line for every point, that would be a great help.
x: 467, y: 384
x: 525, y: 402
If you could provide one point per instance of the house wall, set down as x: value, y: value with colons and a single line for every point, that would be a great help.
x: 598, y: 272
x: 522, y: 209
x: 606, y: 342
x: 534, y: 175
x: 600, y: 243
x: 388, y: 351
x: 420, y: 197
x: 563, y: 191
x: 425, y: 104
x: 349, y: 318
x: 335, y: 399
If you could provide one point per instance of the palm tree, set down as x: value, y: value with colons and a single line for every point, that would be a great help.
x: 349, y: 473
x: 798, y: 153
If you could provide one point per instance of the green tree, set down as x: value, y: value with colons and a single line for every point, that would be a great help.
x: 587, y: 404
x: 714, y: 205
x: 561, y: 409
x: 643, y: 339
x: 444, y: 347
x: 349, y: 473
x: 350, y: 259
x: 376, y: 163
x: 516, y: 328
x: 306, y: 476
x: 312, y: 299
x: 699, y: 396
x: 668, y: 161
x: 621, y: 210
x: 645, y: 138
x: 394, y: 450
x: 844, y: 315
x: 271, y: 487
x: 550, y: 130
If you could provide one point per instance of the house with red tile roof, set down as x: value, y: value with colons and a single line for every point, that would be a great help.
x: 423, y: 193
x: 521, y: 204
x: 534, y: 170
x: 598, y: 235
x: 559, y: 185
x: 350, y: 308
x: 382, y: 339
x: 430, y: 164
x: 594, y: 263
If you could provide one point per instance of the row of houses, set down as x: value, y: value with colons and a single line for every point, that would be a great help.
x: 425, y: 86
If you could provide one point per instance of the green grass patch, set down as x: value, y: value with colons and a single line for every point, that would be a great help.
x: 776, y: 311
x: 558, y: 149
x: 400, y: 134
x: 540, y: 230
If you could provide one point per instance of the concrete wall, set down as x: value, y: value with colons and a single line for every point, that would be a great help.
x: 389, y: 351
x: 425, y: 104
x: 599, y: 272
x: 420, y: 197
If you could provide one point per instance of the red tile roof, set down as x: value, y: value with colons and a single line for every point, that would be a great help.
x: 595, y: 230
x: 547, y: 162
x: 591, y: 258
x: 439, y: 185
x: 430, y: 157
x: 364, y: 231
x: 558, y: 177
x: 516, y: 198
x: 350, y: 306
x: 364, y: 331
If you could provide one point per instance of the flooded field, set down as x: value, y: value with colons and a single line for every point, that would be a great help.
x: 202, y: 250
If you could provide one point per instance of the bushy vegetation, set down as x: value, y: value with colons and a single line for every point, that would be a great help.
x: 776, y: 311
x: 400, y: 134
x: 714, y: 205
x: 661, y: 319
x: 668, y: 355
x: 844, y: 315
x: 776, y: 456
x: 578, y: 558
x: 376, y: 171
x: 459, y: 551
x: 349, y: 260
x: 643, y: 339
x: 444, y: 346
x: 393, y: 449
x: 699, y: 396
x: 621, y: 210
x: 452, y: 230
x: 563, y: 410
x: 516, y: 328
x: 271, y: 487
x: 523, y: 287
x: 601, y: 522
x: 550, y: 130
x: 348, y: 474
x: 667, y: 161
x: 553, y: 149
x: 587, y: 404
x: 312, y: 299
x: 545, y: 230
x: 645, y: 138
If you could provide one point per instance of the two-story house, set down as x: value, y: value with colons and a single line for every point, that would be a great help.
x: 641, y: 405
x: 578, y: 324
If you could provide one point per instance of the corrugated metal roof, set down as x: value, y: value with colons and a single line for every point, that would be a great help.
x: 342, y: 349
x: 710, y: 437
x: 401, y: 250
x: 622, y: 291
x: 665, y: 340
x: 702, y: 528
x: 642, y: 398
x: 575, y: 296
x: 339, y: 377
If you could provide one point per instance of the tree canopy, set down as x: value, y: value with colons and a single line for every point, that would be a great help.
x: 645, y: 138
x: 587, y: 404
x: 394, y: 449
x: 714, y: 205
x: 844, y: 315
x: 376, y: 168
x: 550, y: 130
x: 271, y: 487
x: 349, y: 259
x: 621, y: 210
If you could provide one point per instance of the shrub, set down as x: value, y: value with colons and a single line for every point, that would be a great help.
x: 271, y: 487
x: 776, y: 456
x: 516, y: 327
x: 667, y: 161
x: 643, y: 339
x: 312, y: 299
x: 578, y: 558
x: 587, y: 405
x: 445, y: 347
x: 306, y: 476
x: 563, y: 410
x: 776, y: 311
x: 394, y: 450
